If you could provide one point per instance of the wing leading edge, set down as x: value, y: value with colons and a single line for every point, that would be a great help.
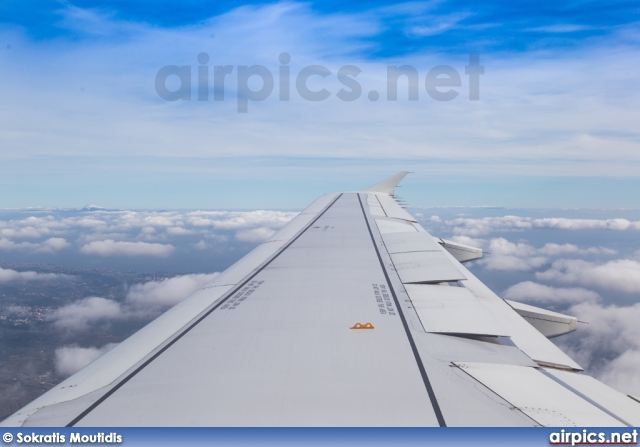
x: 272, y: 341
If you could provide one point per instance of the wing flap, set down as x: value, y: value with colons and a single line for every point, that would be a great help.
x: 409, y: 242
x: 444, y: 309
x: 374, y: 206
x: 550, y: 324
x: 523, y: 334
x: 392, y: 209
x: 539, y: 397
x: 463, y: 253
x: 600, y: 394
x: 390, y: 226
x: 425, y: 267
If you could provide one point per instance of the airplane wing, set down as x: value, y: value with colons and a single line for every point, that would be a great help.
x: 351, y: 315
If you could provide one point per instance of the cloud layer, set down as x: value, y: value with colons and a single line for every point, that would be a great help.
x: 481, y: 226
x: 134, y: 234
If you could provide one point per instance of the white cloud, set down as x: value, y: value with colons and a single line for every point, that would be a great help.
x: 486, y: 225
x: 621, y: 274
x: 556, y: 249
x: 53, y: 244
x: 160, y: 295
x: 85, y: 222
x: 502, y: 254
x: 137, y: 233
x: 50, y: 245
x: 471, y: 242
x: 506, y: 255
x: 179, y: 231
x: 7, y: 244
x: 159, y: 220
x: 437, y: 24
x: 24, y: 232
x: 145, y: 301
x: 229, y: 220
x: 622, y: 372
x: 80, y: 314
x: 110, y: 247
x: 255, y: 235
x: 586, y: 224
x: 71, y: 359
x: 514, y: 263
x: 201, y: 245
x: 609, y: 346
x: 148, y: 230
x: 7, y: 275
x: 501, y: 246
x: 560, y: 28
x: 540, y: 293
x: 87, y: 237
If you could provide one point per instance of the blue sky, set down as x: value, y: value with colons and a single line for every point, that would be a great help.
x: 555, y: 126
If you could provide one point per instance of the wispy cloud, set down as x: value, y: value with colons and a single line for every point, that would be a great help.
x: 110, y: 247
x: 9, y: 275
x: 80, y: 314
x: 47, y: 246
x: 143, y: 301
x: 619, y: 274
x: 485, y: 225
x: 70, y: 359
x: 255, y: 235
x: 437, y: 24
x: 155, y: 296
x: 503, y: 254
x: 529, y: 291
x: 560, y: 28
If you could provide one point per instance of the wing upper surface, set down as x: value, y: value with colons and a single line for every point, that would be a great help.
x: 273, y: 341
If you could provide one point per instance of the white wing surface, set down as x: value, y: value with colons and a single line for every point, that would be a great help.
x: 351, y: 315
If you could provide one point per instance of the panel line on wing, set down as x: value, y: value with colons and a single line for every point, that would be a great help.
x: 423, y: 372
x: 547, y: 401
x: 574, y: 390
x: 513, y: 407
x: 206, y: 314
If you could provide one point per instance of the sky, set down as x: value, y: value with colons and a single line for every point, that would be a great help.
x: 83, y: 120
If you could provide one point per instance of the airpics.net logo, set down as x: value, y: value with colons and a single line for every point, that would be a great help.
x: 590, y: 437
x: 254, y: 83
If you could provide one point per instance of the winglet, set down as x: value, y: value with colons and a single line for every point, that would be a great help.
x: 388, y: 186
